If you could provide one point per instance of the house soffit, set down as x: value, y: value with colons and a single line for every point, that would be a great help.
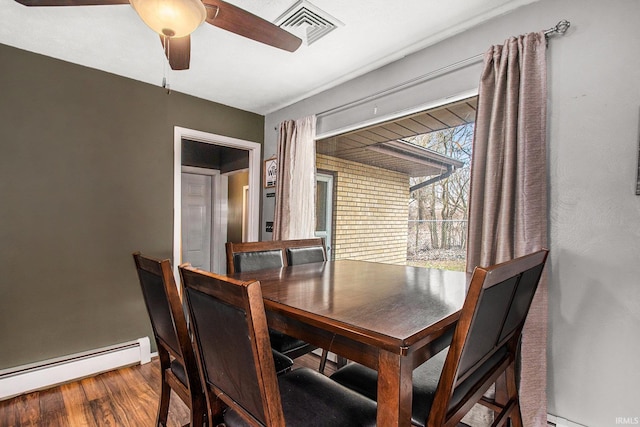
x: 384, y: 146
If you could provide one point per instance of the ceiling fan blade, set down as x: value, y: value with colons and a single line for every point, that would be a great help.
x: 70, y: 2
x: 232, y: 18
x: 178, y: 51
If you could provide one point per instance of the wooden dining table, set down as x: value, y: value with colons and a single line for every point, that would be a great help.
x: 390, y: 318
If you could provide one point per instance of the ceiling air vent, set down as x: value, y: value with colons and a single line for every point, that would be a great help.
x: 307, y: 22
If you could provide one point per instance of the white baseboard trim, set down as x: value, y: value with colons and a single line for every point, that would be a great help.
x: 36, y: 376
x: 330, y: 356
x: 561, y: 422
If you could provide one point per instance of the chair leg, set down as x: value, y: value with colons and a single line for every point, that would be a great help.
x: 512, y: 390
x: 198, y: 413
x: 516, y: 417
x: 323, y: 361
x: 163, y: 407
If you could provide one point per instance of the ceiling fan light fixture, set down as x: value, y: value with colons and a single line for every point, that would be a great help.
x: 171, y: 18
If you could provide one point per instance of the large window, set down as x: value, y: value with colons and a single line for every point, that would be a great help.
x: 401, y: 187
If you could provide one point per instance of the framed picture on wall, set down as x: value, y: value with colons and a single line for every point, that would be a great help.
x: 270, y: 172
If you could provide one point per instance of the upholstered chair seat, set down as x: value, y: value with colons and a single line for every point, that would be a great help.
x: 283, y: 364
x: 286, y: 344
x: 311, y: 399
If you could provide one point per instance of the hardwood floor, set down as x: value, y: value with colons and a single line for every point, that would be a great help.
x: 127, y: 397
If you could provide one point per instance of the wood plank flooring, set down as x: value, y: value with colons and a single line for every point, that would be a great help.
x: 126, y: 397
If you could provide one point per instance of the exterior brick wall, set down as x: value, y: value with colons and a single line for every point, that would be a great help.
x: 370, y: 211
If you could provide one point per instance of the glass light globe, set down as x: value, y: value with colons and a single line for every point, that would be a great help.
x: 171, y: 18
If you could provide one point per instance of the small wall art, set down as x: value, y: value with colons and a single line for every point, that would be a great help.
x: 270, y: 172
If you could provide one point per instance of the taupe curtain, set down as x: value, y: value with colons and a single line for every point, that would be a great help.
x: 508, y: 194
x: 296, y: 180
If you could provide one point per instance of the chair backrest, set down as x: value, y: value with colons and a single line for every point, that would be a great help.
x: 235, y: 360
x: 258, y: 260
x: 306, y: 254
x: 252, y: 256
x: 487, y: 335
x: 166, y: 314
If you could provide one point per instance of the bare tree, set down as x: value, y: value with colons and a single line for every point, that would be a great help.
x: 447, y: 199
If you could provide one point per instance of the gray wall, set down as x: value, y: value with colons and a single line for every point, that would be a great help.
x: 86, y: 178
x: 593, y: 136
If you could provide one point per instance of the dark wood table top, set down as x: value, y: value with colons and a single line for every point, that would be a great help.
x: 388, y: 317
x: 388, y: 306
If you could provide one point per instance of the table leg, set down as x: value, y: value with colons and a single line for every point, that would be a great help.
x: 394, y: 390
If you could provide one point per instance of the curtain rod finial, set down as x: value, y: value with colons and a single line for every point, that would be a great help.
x: 560, y: 28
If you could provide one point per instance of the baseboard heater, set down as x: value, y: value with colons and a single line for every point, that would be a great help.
x: 48, y: 373
x: 556, y: 421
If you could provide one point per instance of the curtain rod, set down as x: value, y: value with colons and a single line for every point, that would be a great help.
x: 560, y: 28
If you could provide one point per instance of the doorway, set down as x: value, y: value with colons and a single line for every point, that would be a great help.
x: 203, y: 224
x: 215, y: 233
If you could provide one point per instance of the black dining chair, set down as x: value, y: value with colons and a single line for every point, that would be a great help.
x: 484, y: 348
x: 306, y: 251
x: 254, y: 256
x: 178, y: 367
x: 240, y: 382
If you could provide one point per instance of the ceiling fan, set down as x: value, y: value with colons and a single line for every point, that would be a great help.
x: 175, y: 20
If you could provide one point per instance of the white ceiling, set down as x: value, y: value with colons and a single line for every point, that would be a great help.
x: 235, y: 71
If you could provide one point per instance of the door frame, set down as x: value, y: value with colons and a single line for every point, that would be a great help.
x: 255, y: 163
x: 245, y: 211
x: 328, y: 236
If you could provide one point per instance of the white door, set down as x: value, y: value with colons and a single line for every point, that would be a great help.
x: 324, y: 209
x: 196, y: 220
x: 204, y: 223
